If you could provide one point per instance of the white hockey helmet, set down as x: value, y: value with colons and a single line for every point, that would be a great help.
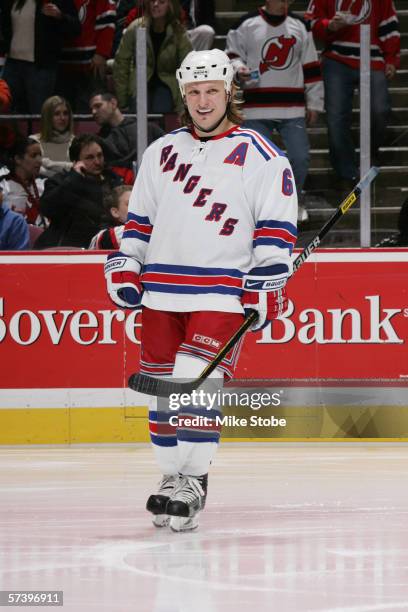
x: 213, y: 65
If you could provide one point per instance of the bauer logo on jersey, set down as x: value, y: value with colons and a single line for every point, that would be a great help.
x: 277, y: 53
x: 207, y: 341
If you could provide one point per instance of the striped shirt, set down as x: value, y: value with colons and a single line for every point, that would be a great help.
x: 344, y: 45
x: 203, y: 213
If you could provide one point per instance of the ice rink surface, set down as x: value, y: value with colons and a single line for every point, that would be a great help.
x: 286, y: 527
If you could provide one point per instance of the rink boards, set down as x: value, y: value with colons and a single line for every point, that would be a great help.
x: 338, y: 359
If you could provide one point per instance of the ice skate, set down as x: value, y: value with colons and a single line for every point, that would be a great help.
x: 188, y: 497
x: 183, y: 523
x: 156, y: 504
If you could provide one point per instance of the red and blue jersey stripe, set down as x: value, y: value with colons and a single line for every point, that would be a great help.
x: 191, y: 279
x: 277, y: 233
x: 265, y: 147
x: 138, y: 227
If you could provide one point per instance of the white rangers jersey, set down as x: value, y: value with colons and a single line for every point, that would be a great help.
x: 283, y: 54
x: 203, y: 213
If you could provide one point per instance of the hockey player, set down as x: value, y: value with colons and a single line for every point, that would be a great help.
x: 210, y: 231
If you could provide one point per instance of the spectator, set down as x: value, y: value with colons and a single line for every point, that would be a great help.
x: 167, y: 45
x: 119, y: 134
x: 73, y: 200
x: 83, y: 63
x: 56, y: 134
x: 116, y: 206
x: 340, y: 32
x: 23, y: 187
x: 13, y: 229
x: 198, y: 16
x: 33, y: 32
x: 276, y: 62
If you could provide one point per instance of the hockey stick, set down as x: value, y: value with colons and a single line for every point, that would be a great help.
x: 165, y: 388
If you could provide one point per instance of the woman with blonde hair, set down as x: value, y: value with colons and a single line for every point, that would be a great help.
x: 55, y: 136
x: 167, y: 45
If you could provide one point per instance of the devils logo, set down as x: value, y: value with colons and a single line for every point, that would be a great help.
x: 277, y: 53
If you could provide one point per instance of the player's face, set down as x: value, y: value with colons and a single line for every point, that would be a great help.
x: 102, y: 109
x: 60, y: 118
x: 277, y: 7
x: 30, y: 163
x: 92, y: 157
x: 206, y: 103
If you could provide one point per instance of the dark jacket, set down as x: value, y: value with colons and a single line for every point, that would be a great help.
x: 74, y: 206
x: 121, y: 141
x: 49, y: 32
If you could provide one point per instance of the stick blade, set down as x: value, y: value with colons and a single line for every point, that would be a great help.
x: 153, y: 386
x: 143, y: 384
x: 159, y: 387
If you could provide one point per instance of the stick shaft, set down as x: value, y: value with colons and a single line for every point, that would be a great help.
x: 341, y: 210
x: 163, y: 388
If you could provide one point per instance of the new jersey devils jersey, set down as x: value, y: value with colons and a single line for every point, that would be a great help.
x: 203, y: 213
x: 283, y: 54
x: 97, y: 19
x: 344, y: 45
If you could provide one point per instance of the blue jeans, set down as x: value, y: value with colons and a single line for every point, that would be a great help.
x: 340, y: 81
x: 30, y: 86
x: 294, y: 135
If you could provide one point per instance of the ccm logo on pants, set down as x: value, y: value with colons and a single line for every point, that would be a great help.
x: 207, y: 341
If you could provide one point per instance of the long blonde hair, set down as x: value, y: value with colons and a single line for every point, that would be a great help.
x: 47, y: 114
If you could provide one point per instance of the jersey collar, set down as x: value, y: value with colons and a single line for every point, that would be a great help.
x: 217, y: 137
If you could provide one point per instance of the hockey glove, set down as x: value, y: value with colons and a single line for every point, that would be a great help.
x: 123, y: 280
x: 265, y: 295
